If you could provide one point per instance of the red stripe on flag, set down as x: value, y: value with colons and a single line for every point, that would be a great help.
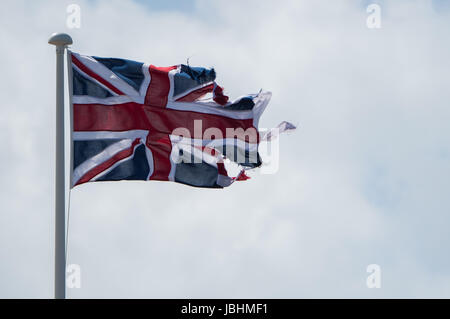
x: 167, y: 120
x: 99, y: 117
x: 108, y: 163
x: 91, y: 73
x: 218, y: 96
x: 133, y: 116
x: 161, y: 147
x: 158, y: 89
x: 221, y: 168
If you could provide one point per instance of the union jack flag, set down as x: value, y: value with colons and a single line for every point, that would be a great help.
x: 134, y: 121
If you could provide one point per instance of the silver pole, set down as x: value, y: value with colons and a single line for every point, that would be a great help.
x: 60, y: 40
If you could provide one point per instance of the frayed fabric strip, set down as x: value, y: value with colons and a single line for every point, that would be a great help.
x: 276, y: 131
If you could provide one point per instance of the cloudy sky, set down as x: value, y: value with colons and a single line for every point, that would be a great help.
x: 364, y: 180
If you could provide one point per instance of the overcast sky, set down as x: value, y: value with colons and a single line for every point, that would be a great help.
x: 364, y: 180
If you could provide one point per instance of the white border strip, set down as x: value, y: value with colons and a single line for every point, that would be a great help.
x: 94, y: 135
x: 145, y: 83
x: 70, y: 84
x: 112, y: 100
x: 215, y: 143
x: 171, y: 76
x: 151, y: 166
x: 261, y: 102
x: 209, y: 108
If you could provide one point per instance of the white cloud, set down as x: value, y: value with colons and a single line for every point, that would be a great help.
x: 364, y: 180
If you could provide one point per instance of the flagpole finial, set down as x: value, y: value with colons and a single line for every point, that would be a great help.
x: 60, y: 39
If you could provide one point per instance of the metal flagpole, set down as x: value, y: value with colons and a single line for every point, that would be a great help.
x: 60, y: 40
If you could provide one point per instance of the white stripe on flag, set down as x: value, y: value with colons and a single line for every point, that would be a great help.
x: 94, y: 135
x: 106, y: 74
x: 96, y: 160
